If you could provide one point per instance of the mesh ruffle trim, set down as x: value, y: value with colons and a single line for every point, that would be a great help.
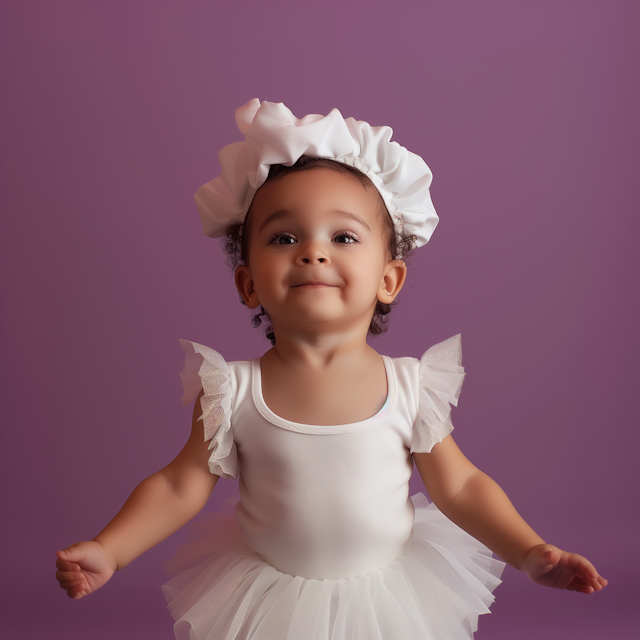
x: 206, y: 369
x: 440, y: 382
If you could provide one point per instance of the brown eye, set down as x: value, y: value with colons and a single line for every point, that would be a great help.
x: 282, y: 238
x: 346, y: 238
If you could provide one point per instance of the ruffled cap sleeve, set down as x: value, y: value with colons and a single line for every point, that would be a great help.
x: 440, y: 383
x: 206, y: 369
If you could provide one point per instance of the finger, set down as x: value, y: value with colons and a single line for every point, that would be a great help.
x: 67, y: 566
x: 78, y: 590
x: 582, y: 589
x: 70, y: 584
x: 578, y: 585
x: 588, y: 571
x: 581, y: 564
x: 75, y: 553
x: 595, y: 578
x: 542, y: 560
x: 70, y: 554
x: 587, y: 586
x: 552, y: 556
x: 68, y: 575
x: 598, y: 583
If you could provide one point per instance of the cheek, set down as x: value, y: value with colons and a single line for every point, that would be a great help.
x: 267, y: 274
x: 366, y: 274
x: 371, y: 264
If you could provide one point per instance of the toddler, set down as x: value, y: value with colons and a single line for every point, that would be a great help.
x: 322, y: 431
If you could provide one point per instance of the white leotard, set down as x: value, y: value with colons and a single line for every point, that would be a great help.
x: 325, y: 544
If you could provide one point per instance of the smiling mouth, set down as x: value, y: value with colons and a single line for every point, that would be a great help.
x: 312, y: 285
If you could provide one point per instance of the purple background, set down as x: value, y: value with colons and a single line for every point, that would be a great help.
x: 112, y: 116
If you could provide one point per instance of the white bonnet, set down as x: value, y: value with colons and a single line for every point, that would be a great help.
x: 273, y: 135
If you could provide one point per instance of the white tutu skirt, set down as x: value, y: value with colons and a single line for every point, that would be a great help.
x: 221, y: 590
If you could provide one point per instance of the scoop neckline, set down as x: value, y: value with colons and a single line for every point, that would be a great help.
x: 270, y: 416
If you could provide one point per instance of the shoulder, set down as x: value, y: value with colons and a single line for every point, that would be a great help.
x: 406, y: 372
x: 405, y: 365
x: 241, y: 378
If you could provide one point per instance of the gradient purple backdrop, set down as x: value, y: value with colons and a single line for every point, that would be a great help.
x: 112, y: 116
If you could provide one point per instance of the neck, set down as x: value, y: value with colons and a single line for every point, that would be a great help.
x: 318, y: 348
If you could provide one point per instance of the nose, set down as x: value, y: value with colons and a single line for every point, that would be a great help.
x: 312, y: 253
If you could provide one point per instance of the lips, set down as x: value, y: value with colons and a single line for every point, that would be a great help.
x: 312, y: 285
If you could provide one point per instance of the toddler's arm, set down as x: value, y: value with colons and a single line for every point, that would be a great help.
x: 478, y: 505
x: 159, y: 505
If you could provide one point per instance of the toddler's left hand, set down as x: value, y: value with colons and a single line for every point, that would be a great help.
x: 552, y: 567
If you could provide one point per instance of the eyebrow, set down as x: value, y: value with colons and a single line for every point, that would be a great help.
x: 343, y: 214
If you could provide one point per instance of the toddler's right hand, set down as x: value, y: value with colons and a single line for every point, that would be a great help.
x: 83, y: 567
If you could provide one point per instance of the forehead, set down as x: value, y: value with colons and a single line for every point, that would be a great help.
x: 317, y: 190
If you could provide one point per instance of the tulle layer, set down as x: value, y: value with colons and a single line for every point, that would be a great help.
x: 221, y: 590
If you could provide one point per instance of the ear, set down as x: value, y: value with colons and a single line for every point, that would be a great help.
x: 244, y: 284
x: 395, y: 274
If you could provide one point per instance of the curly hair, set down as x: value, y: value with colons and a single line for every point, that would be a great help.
x: 237, y: 236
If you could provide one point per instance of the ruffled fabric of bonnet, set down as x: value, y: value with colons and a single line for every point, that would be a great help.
x: 273, y: 135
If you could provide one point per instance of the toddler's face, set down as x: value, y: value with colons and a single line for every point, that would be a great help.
x: 317, y: 254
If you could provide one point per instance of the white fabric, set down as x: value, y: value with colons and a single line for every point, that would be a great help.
x: 440, y: 382
x: 325, y: 544
x: 206, y: 369
x: 273, y: 135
